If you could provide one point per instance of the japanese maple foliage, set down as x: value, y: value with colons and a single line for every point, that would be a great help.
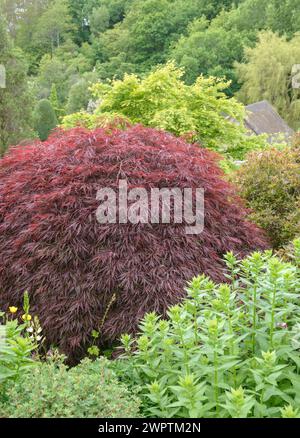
x: 82, y: 275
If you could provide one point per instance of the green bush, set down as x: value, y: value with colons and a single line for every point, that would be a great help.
x: 86, y: 391
x: 270, y: 183
x: 230, y: 350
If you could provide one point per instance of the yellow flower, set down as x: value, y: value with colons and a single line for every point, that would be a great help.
x: 26, y: 317
x: 13, y: 309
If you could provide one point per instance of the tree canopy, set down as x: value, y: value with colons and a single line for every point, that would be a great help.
x: 70, y: 44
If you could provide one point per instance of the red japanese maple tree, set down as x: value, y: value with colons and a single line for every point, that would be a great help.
x: 82, y: 275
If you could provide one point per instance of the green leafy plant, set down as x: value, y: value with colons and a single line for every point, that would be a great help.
x: 15, y: 353
x: 229, y: 350
x: 86, y: 391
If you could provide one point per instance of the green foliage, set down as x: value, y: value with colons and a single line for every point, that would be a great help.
x: 15, y: 98
x: 80, y: 118
x: 44, y: 119
x: 79, y: 97
x: 53, y: 26
x: 283, y: 16
x: 267, y: 74
x: 91, y: 121
x: 53, y: 99
x: 270, y: 183
x: 52, y: 73
x: 146, y: 35
x: 17, y: 344
x: 15, y: 352
x: 229, y: 350
x: 91, y: 17
x: 151, y: 25
x: 79, y: 11
x: 99, y: 20
x: 63, y: 39
x: 89, y: 390
x: 252, y: 16
x: 65, y: 70
x: 211, y: 50
x: 23, y: 18
x: 80, y: 94
x: 201, y: 111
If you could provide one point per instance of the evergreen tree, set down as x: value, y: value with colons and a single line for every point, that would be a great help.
x: 45, y: 119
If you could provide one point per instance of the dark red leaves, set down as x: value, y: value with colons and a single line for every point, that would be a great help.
x: 52, y: 245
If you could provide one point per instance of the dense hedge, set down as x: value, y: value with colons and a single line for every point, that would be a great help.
x: 82, y: 275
